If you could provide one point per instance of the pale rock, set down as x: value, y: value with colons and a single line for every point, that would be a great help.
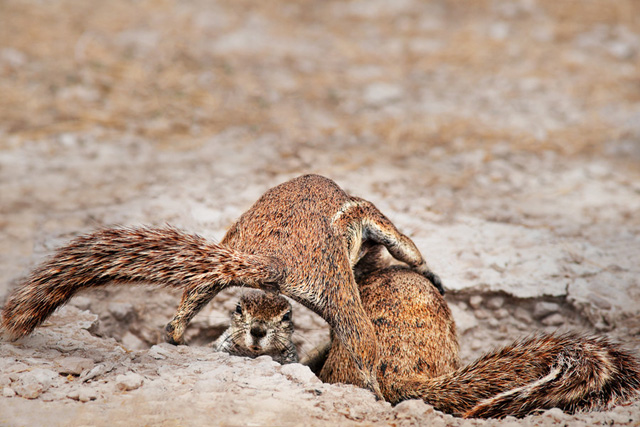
x: 132, y: 342
x: 543, y: 309
x: 554, y: 413
x: 81, y: 302
x: 300, y: 373
x: 475, y: 301
x: 33, y: 383
x: 122, y: 310
x: 8, y: 392
x: 413, y: 408
x: 553, y: 320
x: 86, y: 394
x: 495, y: 303
x: 160, y: 351
x: 96, y: 371
x: 501, y: 313
x: 74, y: 365
x: 522, y: 315
x: 129, y: 381
x: 464, y: 321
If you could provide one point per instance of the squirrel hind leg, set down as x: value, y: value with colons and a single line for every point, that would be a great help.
x: 379, y: 229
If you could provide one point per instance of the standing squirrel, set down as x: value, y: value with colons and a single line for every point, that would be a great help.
x: 301, y: 238
x: 260, y: 325
x: 418, y: 357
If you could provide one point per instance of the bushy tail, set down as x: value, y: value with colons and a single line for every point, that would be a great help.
x: 162, y: 256
x: 570, y: 372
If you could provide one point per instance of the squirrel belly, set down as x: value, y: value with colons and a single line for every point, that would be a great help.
x: 418, y: 357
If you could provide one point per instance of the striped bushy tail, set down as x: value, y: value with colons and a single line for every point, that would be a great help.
x: 161, y: 256
x: 570, y: 371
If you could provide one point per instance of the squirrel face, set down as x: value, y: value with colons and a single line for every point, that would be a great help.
x: 261, y: 324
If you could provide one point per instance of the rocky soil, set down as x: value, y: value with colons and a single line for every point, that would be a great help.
x: 502, y: 136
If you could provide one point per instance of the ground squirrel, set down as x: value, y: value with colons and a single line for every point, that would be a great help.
x: 418, y: 357
x: 301, y: 238
x: 260, y: 325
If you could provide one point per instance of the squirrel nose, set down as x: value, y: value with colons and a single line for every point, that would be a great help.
x: 258, y: 331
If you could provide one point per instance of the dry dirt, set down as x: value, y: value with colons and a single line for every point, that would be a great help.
x: 502, y: 136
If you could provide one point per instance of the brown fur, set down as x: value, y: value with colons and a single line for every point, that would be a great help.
x: 418, y: 357
x: 416, y: 332
x: 301, y: 237
x: 260, y: 325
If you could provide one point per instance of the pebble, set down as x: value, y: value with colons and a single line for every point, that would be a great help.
x: 74, y: 365
x: 8, y: 392
x: 29, y: 390
x: 522, y: 315
x: 542, y: 309
x: 84, y: 394
x: 481, y: 314
x: 298, y: 372
x: 96, y: 371
x: 464, y: 320
x: 501, y: 313
x: 160, y: 351
x: 87, y: 394
x: 475, y: 301
x: 412, y: 408
x: 33, y: 383
x: 554, y: 413
x: 132, y: 342
x: 553, y: 320
x: 122, y: 310
x: 129, y: 381
x: 82, y: 303
x: 495, y: 303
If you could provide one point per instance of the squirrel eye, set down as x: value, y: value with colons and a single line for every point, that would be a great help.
x: 287, y: 315
x: 239, y: 308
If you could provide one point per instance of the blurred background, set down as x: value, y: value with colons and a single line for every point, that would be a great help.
x: 502, y: 136
x: 537, y: 75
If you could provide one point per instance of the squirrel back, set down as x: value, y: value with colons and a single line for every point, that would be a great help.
x: 418, y: 357
x: 260, y: 325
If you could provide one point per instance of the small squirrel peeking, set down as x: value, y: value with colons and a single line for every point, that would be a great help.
x: 260, y: 325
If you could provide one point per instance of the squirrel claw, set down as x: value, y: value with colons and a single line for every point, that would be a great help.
x: 169, y: 335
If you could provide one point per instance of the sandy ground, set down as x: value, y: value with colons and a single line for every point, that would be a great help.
x: 503, y: 137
